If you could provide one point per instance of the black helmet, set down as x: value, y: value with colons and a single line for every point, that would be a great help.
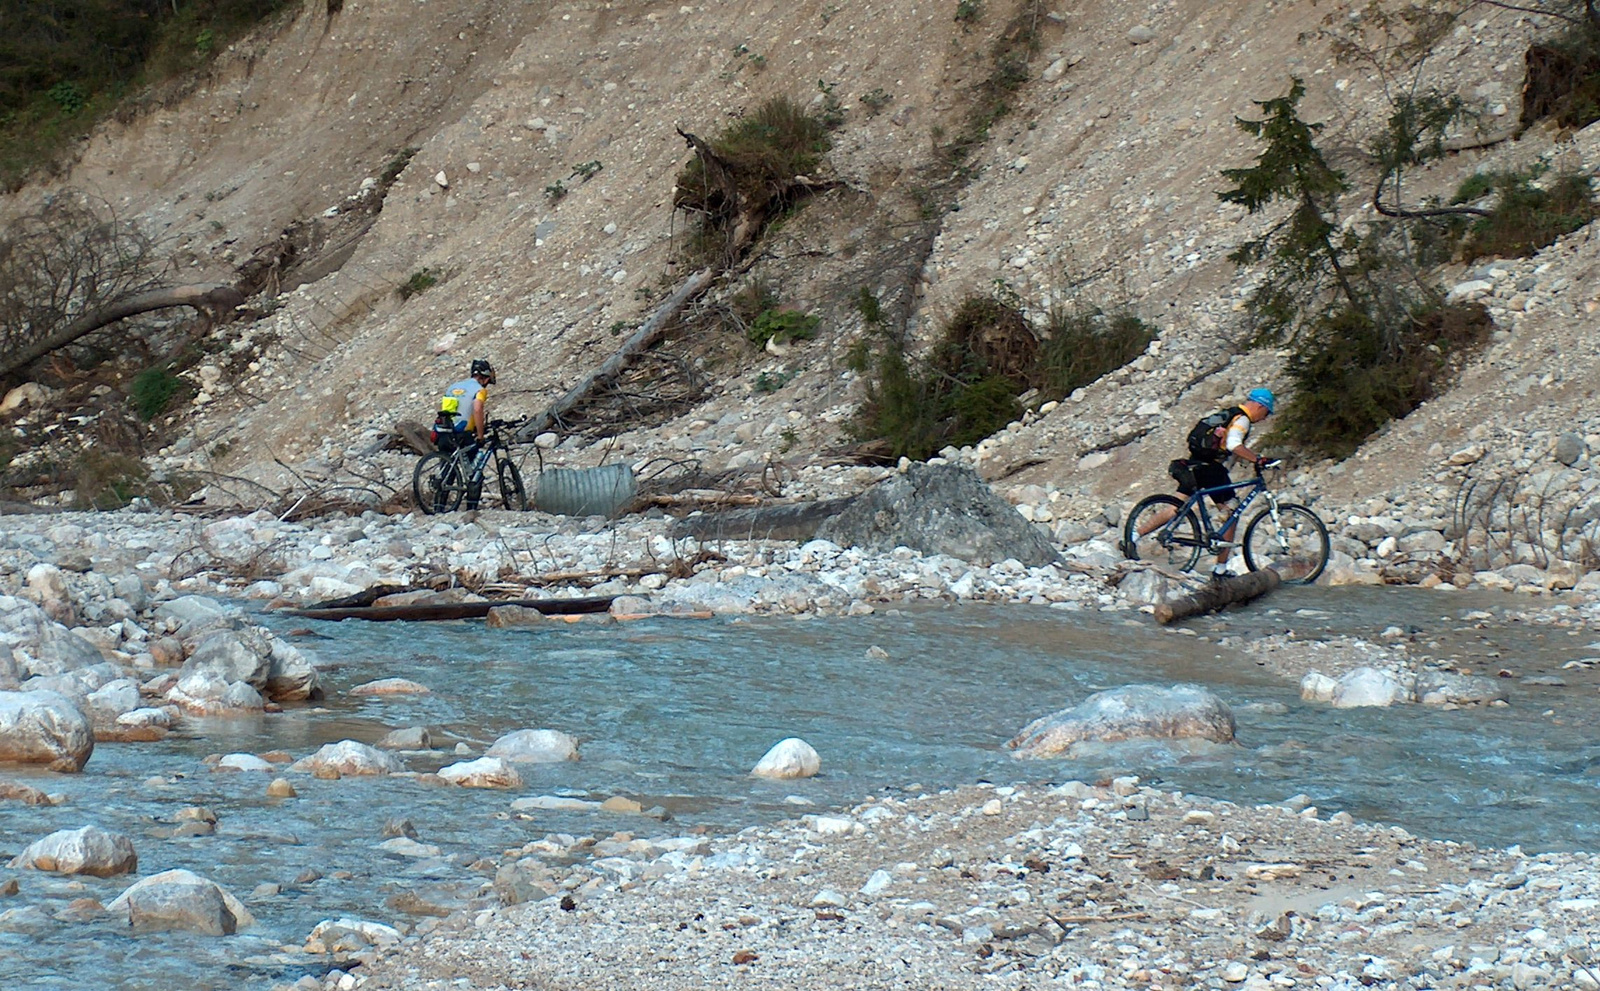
x: 481, y: 366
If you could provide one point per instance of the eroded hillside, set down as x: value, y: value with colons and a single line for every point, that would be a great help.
x: 539, y: 148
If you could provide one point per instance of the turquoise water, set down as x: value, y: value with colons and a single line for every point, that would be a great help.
x: 675, y: 713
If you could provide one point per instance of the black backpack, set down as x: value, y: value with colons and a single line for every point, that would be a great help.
x: 1205, y: 440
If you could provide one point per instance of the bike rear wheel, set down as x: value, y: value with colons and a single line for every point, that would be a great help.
x: 438, y: 484
x: 512, y: 494
x: 1176, y: 544
x: 1295, y: 544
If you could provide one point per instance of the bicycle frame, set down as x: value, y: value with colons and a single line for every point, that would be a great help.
x: 464, y: 458
x: 1197, y: 503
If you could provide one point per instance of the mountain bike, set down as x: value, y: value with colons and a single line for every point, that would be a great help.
x: 1286, y: 537
x: 443, y: 480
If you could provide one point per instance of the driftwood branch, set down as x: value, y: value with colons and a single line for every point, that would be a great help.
x: 646, y: 335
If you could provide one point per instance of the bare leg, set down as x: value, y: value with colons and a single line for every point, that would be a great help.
x: 1158, y: 519
x: 1222, y: 553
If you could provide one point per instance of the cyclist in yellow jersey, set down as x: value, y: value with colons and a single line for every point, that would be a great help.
x: 464, y: 408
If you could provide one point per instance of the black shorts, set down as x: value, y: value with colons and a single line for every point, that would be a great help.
x: 1208, y: 475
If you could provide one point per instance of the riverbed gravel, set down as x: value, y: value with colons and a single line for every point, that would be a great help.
x: 1098, y: 886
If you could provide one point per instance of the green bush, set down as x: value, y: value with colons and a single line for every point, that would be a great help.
x: 1351, y: 376
x: 772, y: 381
x: 765, y: 150
x: 1563, y: 78
x: 68, y: 96
x: 988, y: 335
x: 967, y: 389
x: 153, y: 391
x: 420, y: 282
x: 395, y: 166
x: 1525, y: 217
x: 1086, y: 343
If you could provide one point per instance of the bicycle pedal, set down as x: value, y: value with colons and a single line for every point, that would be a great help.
x: 1224, y: 543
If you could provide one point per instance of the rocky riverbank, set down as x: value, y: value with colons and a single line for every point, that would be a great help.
x: 116, y: 627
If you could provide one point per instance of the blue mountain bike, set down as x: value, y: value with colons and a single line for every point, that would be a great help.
x: 1287, y: 537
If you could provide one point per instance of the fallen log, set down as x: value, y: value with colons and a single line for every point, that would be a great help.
x: 365, y: 597
x: 215, y: 301
x: 457, y: 610
x: 646, y: 335
x: 1240, y: 588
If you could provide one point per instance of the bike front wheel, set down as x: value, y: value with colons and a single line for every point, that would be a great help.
x: 512, y: 494
x: 437, y: 484
x: 1293, y: 542
x: 1175, y: 544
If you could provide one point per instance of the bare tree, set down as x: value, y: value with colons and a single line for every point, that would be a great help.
x: 74, y: 267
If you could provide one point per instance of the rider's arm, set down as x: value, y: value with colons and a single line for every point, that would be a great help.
x: 1233, y: 443
x: 480, y: 413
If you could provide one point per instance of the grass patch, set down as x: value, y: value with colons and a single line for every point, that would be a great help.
x: 105, y: 481
x: 993, y: 97
x: 751, y: 173
x: 395, y: 166
x: 420, y: 282
x: 153, y: 391
x: 768, y: 382
x: 1352, y: 376
x: 782, y: 326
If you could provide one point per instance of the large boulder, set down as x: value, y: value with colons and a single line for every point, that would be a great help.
x: 347, y: 935
x: 21, y: 619
x: 44, y: 728
x: 485, y: 772
x: 1368, y: 687
x: 292, y: 674
x: 348, y: 758
x: 254, y: 656
x: 790, y: 758
x: 59, y: 650
x: 189, y: 613
x: 78, y: 684
x: 180, y: 899
x: 407, y: 738
x: 939, y: 509
x: 535, y: 746
x: 111, y: 700
x: 87, y: 850
x: 11, y: 669
x: 1132, y: 712
x: 203, y: 692
x: 233, y: 655
x: 48, y: 585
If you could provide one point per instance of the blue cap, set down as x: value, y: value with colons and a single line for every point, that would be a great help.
x: 1265, y: 398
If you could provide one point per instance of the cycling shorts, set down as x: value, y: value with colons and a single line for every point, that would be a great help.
x: 1209, y: 475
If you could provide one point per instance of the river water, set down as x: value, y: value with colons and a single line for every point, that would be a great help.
x: 674, y: 713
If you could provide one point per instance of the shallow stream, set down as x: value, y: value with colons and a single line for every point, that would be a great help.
x: 675, y: 713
